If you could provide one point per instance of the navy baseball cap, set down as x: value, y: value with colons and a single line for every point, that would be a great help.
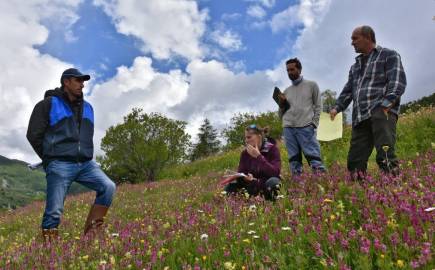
x: 73, y: 72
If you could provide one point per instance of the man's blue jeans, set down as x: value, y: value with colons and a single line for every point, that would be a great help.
x: 303, y: 139
x: 61, y: 174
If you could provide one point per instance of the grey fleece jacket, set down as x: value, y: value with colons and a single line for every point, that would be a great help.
x: 305, y: 105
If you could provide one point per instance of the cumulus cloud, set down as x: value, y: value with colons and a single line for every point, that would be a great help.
x: 231, y: 16
x: 265, y: 3
x: 26, y: 73
x: 227, y: 39
x: 138, y: 86
x: 305, y: 14
x: 166, y: 28
x: 326, y: 53
x: 217, y: 92
x: 256, y: 11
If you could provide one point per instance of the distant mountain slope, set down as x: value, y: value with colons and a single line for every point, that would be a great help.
x: 20, y: 186
x: 7, y: 161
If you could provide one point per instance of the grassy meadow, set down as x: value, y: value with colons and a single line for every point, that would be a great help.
x: 184, y: 221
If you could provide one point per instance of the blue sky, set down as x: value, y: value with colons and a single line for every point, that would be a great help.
x: 192, y: 59
x: 96, y: 45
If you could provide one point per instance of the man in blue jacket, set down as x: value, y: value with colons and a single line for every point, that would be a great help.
x: 61, y: 130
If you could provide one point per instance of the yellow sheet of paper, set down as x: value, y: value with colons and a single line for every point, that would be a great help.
x: 330, y: 130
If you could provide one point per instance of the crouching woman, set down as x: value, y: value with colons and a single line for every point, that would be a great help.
x: 260, y: 162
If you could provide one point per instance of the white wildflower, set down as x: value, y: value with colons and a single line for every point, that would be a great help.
x: 204, y: 236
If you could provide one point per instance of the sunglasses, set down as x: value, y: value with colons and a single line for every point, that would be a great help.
x: 253, y: 127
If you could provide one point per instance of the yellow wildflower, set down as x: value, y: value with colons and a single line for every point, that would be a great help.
x: 400, y: 263
x: 229, y: 266
x: 323, y: 262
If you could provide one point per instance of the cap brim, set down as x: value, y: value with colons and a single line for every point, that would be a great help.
x: 84, y: 77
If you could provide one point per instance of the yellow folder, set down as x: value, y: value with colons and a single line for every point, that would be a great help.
x: 329, y: 130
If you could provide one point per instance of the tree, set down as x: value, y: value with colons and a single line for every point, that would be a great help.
x: 328, y: 99
x: 328, y: 102
x: 208, y: 142
x: 137, y: 149
x: 415, y: 105
x: 235, y: 133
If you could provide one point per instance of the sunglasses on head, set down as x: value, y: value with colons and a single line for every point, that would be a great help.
x: 253, y: 127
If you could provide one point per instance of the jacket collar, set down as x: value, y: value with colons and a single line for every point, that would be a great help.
x: 375, y: 50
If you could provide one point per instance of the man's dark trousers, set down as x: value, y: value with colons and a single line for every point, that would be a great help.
x: 378, y: 131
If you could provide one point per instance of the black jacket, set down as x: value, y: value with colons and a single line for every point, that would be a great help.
x: 61, y: 130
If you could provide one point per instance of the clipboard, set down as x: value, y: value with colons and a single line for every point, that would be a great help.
x: 283, y: 106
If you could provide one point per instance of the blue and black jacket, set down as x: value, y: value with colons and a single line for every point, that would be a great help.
x: 62, y: 130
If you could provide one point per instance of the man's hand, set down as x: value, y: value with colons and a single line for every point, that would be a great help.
x: 282, y: 98
x: 249, y: 177
x: 386, y: 110
x: 333, y: 113
x: 253, y: 151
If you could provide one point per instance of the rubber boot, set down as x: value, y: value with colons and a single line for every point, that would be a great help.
x: 95, y: 219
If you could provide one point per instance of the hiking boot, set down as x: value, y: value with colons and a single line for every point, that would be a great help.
x: 95, y: 219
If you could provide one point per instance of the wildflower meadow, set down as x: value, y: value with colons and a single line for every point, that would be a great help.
x: 185, y: 221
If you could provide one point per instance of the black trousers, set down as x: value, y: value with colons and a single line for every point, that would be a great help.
x: 379, y: 131
x: 270, y: 190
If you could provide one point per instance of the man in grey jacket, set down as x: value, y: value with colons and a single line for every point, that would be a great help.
x: 300, y: 121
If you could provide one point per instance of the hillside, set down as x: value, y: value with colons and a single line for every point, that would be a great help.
x: 19, y: 186
x: 320, y: 222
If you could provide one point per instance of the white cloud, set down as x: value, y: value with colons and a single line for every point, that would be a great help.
x: 166, y: 28
x: 231, y: 16
x: 326, y: 53
x: 265, y: 3
x: 227, y: 39
x: 70, y: 37
x: 306, y: 13
x: 217, y: 92
x: 138, y: 86
x: 26, y: 73
x: 256, y: 11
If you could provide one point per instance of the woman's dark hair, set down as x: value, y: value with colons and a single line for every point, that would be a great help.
x: 256, y: 129
x: 295, y: 61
